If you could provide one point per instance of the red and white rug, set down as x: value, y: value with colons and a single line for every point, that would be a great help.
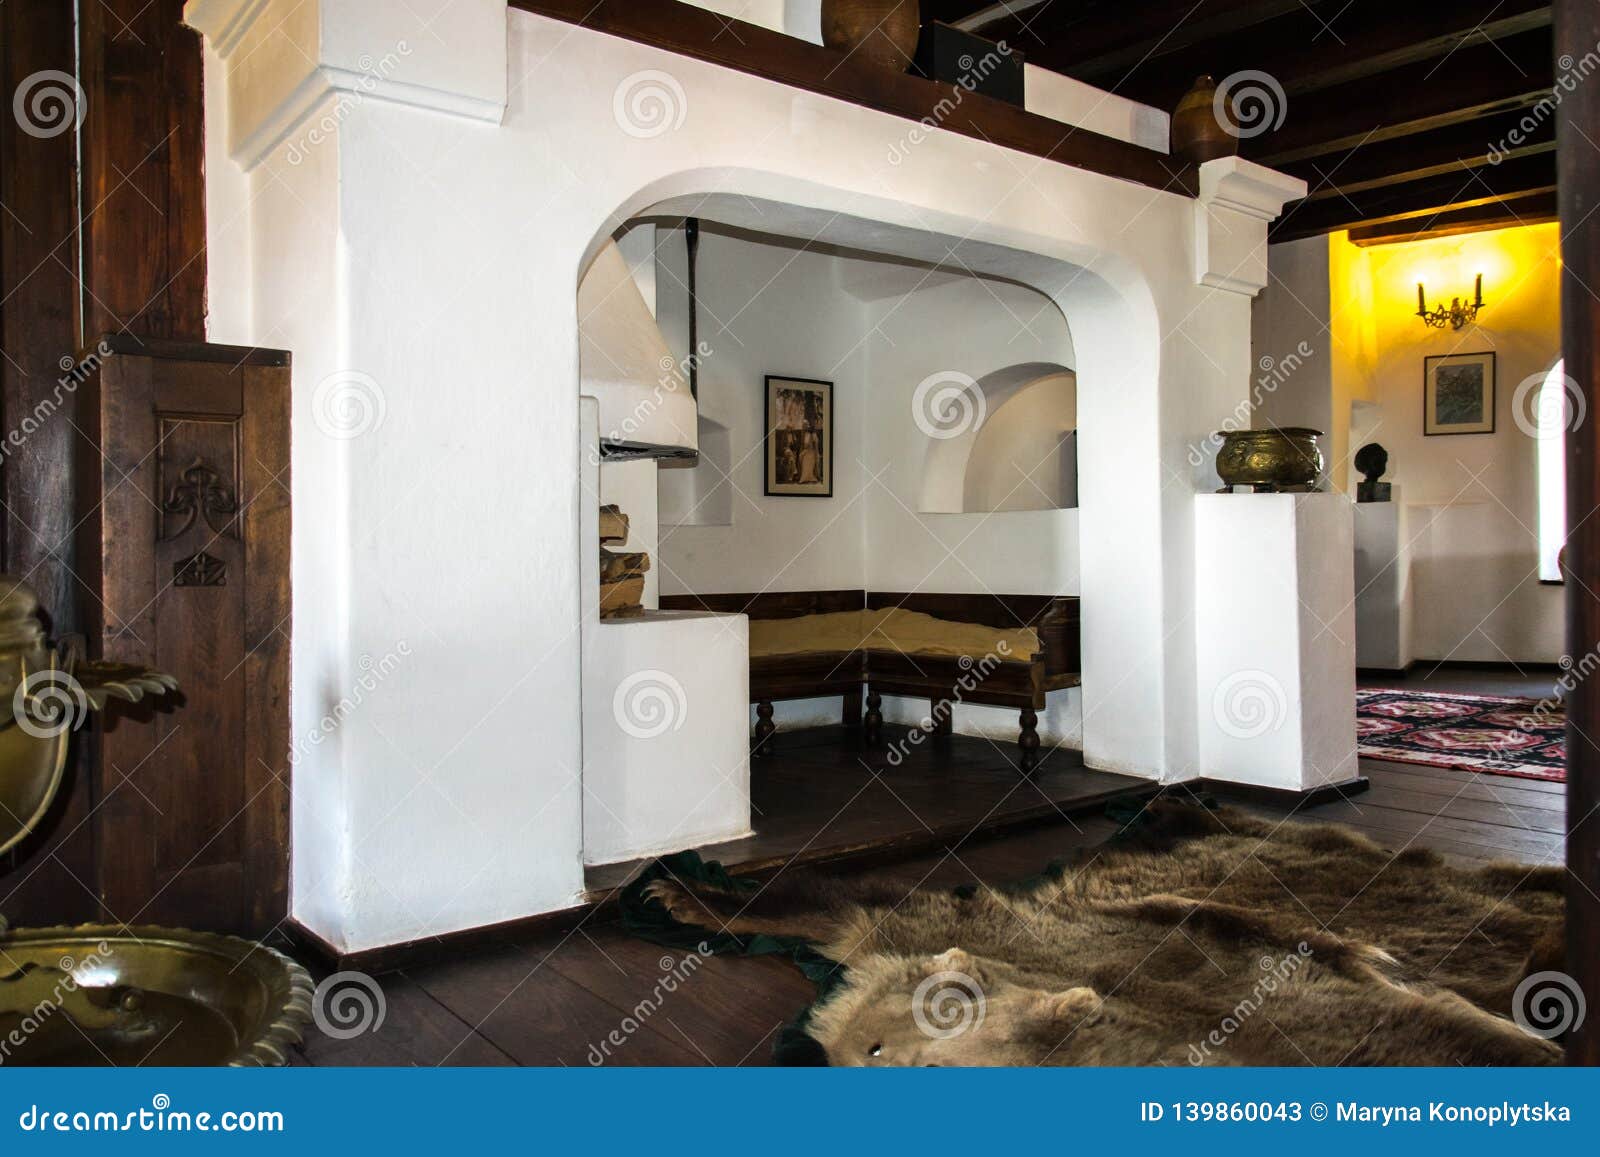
x: 1498, y: 736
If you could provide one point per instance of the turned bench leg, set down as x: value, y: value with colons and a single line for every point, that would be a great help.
x: 942, y: 715
x: 764, y: 730
x: 1028, y: 741
x: 872, y: 723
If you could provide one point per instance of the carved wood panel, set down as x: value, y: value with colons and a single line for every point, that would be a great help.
x: 188, y: 527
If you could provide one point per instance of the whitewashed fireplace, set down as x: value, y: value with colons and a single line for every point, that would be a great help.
x: 405, y: 196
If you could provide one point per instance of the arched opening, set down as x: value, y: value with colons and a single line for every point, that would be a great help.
x: 1004, y: 442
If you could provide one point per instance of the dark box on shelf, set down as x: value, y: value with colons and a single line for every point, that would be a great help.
x: 992, y: 68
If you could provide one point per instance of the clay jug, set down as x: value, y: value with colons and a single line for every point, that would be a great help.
x: 882, y: 33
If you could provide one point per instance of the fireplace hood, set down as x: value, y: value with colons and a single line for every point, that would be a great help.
x: 646, y: 407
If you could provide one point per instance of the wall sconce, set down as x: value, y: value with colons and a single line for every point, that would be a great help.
x: 1456, y: 315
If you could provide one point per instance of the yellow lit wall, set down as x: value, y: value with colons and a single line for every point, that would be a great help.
x: 1473, y: 498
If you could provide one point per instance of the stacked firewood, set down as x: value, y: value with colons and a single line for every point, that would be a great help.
x: 621, y: 572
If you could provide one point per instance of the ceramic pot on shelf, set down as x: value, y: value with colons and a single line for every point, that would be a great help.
x: 882, y: 33
x: 1196, y: 133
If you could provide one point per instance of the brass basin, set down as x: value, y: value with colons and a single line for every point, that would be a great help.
x: 1278, y: 459
x: 101, y: 995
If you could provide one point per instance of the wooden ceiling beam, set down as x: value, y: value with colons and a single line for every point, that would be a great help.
x: 1474, y: 82
x: 1513, y: 179
x: 1455, y: 148
x: 1305, y: 52
x: 1535, y: 209
x: 1105, y: 34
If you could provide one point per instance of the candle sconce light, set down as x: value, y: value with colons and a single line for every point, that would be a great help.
x: 1457, y: 314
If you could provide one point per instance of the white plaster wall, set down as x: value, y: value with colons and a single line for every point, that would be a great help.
x: 1472, y: 499
x: 1384, y: 541
x: 1292, y: 344
x: 438, y: 256
x: 772, y: 309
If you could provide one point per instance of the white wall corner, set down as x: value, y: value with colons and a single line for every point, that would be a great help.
x: 1238, y: 200
x: 284, y: 58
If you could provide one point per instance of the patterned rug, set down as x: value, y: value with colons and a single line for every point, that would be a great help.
x: 1487, y: 733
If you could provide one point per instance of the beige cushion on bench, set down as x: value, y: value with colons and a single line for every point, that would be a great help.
x: 892, y: 629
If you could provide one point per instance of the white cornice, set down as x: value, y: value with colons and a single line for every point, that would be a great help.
x: 285, y: 58
x: 1248, y: 188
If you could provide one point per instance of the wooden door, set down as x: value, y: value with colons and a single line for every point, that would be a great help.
x: 185, y: 546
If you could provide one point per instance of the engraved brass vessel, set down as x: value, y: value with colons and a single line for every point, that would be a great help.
x: 1284, y: 458
x: 114, y: 995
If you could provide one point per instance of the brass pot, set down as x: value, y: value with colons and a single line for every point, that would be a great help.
x: 154, y: 996
x: 881, y: 32
x: 1196, y: 134
x: 1288, y: 457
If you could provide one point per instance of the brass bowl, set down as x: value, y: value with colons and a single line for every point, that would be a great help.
x: 103, y: 995
x: 1278, y: 459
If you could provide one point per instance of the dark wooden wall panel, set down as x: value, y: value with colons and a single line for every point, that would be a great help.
x: 143, y: 171
x: 139, y: 229
x: 38, y: 329
x: 1577, y: 32
x: 192, y: 524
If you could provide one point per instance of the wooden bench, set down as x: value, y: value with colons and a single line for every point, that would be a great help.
x: 1020, y: 681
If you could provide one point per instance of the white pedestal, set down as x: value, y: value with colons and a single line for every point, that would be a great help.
x: 1383, y: 585
x: 1275, y: 639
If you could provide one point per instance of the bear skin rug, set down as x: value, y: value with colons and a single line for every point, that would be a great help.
x: 1206, y: 938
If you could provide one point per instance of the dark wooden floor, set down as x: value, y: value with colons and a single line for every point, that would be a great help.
x: 559, y: 998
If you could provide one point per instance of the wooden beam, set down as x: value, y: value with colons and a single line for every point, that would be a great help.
x: 1532, y: 210
x: 1461, y: 188
x: 1106, y: 39
x: 1473, y: 83
x: 702, y: 35
x: 1577, y: 33
x: 1455, y: 148
x: 1306, y: 51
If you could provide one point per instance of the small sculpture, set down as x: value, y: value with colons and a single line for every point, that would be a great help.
x: 1372, y: 460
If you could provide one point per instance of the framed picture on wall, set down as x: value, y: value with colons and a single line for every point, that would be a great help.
x: 1458, y: 394
x: 799, y: 440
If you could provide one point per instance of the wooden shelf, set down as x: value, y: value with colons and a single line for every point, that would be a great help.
x: 695, y: 32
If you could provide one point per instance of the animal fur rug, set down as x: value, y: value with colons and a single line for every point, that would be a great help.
x: 1208, y: 938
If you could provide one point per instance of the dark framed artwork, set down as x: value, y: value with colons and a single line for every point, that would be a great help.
x: 799, y: 438
x: 1458, y: 394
